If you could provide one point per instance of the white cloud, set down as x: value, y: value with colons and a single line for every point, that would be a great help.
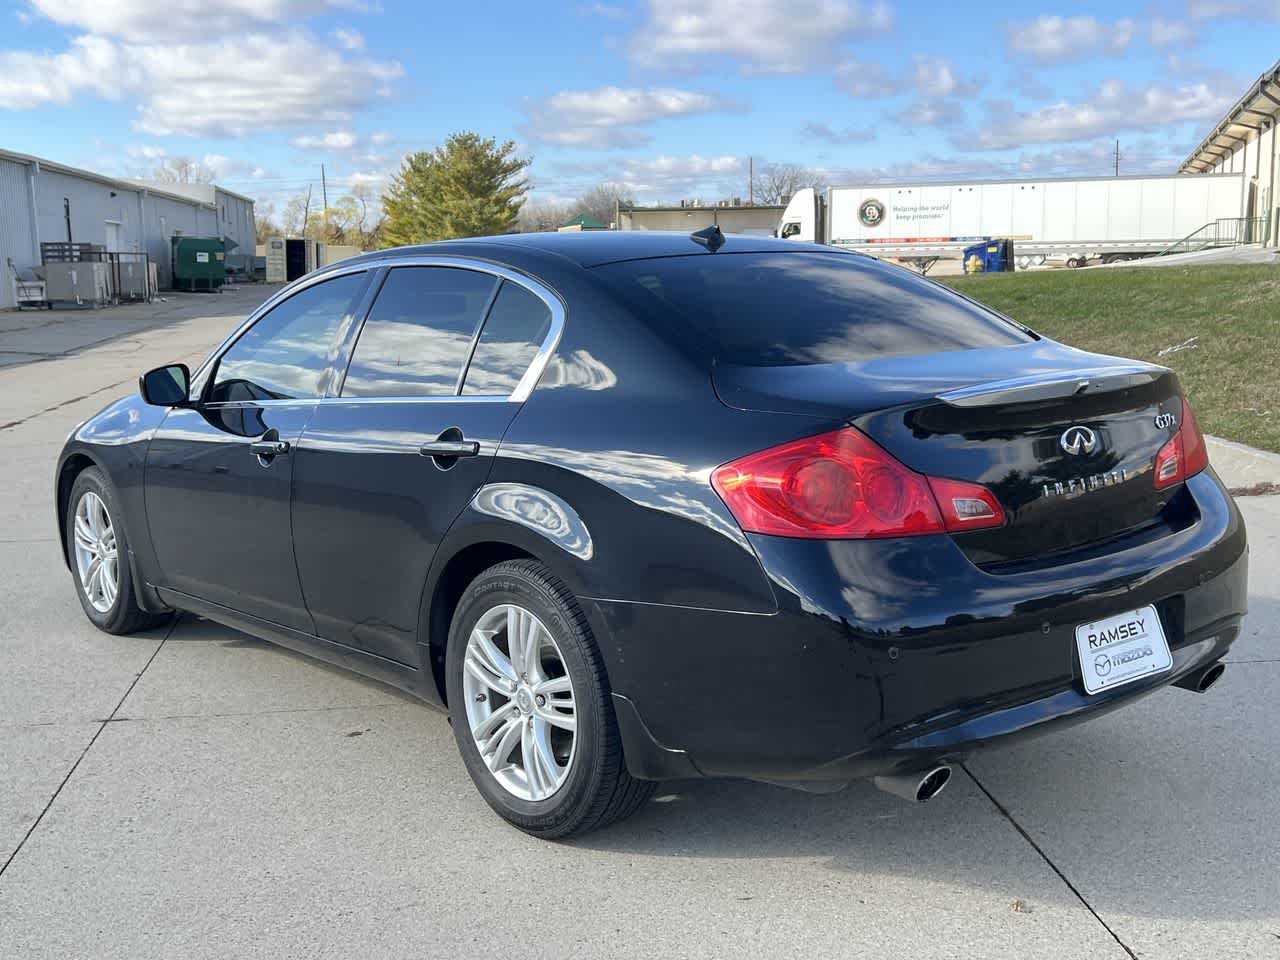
x: 764, y: 35
x: 609, y: 116
x: 934, y: 77
x: 1054, y: 39
x: 681, y: 176
x: 200, y: 89
x: 833, y: 135
x: 607, y: 10
x: 146, y: 151
x: 866, y: 81
x: 930, y: 113
x: 1169, y: 33
x: 381, y: 138
x: 1226, y: 9
x: 654, y: 179
x: 349, y: 39
x: 92, y: 64
x: 1109, y: 109
x: 142, y: 19
x: 337, y: 140
x: 222, y: 166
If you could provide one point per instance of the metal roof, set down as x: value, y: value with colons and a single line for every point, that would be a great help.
x: 120, y: 183
x: 1260, y: 104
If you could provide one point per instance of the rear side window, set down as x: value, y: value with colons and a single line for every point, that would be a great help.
x: 782, y: 308
x: 419, y: 333
x: 511, y: 336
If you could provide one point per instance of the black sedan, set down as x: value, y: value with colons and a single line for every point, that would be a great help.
x: 636, y: 507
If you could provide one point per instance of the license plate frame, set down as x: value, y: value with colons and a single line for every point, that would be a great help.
x: 1122, y: 648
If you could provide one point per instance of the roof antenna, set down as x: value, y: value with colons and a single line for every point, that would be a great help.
x: 711, y: 237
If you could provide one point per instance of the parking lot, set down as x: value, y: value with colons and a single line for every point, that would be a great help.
x: 193, y: 792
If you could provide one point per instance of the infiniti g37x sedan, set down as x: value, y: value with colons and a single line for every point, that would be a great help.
x: 636, y: 507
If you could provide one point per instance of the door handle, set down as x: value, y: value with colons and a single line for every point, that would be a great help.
x: 450, y: 448
x: 269, y: 448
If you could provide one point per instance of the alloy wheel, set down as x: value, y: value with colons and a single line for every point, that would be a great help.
x: 97, y: 562
x: 520, y: 702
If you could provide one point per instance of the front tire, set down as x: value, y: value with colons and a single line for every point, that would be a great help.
x: 98, y: 554
x: 530, y: 706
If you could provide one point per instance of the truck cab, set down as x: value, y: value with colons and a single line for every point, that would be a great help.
x: 800, y: 220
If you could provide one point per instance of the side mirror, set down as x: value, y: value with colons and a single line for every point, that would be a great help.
x: 166, y: 386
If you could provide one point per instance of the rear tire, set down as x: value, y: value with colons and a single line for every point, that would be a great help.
x: 97, y: 550
x: 574, y: 780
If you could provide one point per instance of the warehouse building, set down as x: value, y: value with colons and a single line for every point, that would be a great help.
x: 43, y: 201
x: 731, y: 217
x: 1245, y: 141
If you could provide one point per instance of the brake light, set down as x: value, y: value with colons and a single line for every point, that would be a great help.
x: 842, y: 486
x: 1184, y: 455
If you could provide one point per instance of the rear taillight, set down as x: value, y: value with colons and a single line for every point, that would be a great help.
x: 1184, y: 455
x: 841, y: 486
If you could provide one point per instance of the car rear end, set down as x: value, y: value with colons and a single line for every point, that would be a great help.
x: 975, y: 534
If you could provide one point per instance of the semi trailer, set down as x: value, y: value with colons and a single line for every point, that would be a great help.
x: 1077, y: 221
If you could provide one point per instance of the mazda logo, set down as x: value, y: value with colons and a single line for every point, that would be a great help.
x: 1077, y: 440
x: 1102, y: 664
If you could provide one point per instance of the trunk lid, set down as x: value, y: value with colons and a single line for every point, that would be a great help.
x: 1066, y: 440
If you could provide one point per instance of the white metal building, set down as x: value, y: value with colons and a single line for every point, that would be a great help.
x: 1245, y: 141
x: 41, y: 200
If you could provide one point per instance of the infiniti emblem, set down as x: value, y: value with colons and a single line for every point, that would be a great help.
x: 1077, y: 440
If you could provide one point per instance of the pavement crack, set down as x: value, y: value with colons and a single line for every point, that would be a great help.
x: 59, y: 406
x: 102, y: 725
x: 1045, y: 857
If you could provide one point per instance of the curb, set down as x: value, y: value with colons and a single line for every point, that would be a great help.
x: 1243, y: 467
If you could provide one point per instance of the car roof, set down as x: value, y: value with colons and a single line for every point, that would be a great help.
x: 590, y: 248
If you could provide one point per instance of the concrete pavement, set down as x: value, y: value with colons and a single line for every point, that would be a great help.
x: 193, y: 792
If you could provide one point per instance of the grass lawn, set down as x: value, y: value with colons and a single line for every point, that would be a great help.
x: 1230, y: 371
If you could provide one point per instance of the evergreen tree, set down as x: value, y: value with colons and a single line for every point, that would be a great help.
x: 469, y: 187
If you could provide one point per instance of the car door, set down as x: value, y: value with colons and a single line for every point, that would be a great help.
x: 436, y: 374
x: 219, y: 473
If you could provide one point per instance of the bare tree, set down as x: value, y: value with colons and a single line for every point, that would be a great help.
x: 776, y: 183
x: 264, y: 221
x: 601, y: 202
x: 294, y: 216
x: 182, y: 170
x: 539, y: 215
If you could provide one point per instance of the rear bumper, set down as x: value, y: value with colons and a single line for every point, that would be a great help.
x: 887, y: 655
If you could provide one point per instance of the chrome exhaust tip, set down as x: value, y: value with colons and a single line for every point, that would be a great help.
x: 1201, y: 680
x: 916, y: 787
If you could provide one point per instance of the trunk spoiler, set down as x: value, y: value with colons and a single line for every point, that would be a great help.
x: 1054, y: 386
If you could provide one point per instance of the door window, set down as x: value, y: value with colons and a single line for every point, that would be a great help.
x: 285, y: 354
x: 514, y: 330
x: 419, y: 332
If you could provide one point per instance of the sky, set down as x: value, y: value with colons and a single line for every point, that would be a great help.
x: 669, y: 99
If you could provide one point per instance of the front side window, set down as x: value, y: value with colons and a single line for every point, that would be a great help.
x: 513, y: 331
x: 285, y: 354
x: 419, y: 333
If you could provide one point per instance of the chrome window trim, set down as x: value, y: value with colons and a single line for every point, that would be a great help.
x: 523, y: 389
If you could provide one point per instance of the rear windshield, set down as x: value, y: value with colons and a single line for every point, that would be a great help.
x: 778, y: 308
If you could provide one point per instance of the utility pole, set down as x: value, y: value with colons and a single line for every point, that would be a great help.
x: 1117, y: 158
x: 751, y: 180
x: 324, y: 198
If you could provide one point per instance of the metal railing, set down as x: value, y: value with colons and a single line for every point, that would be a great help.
x: 1223, y: 232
